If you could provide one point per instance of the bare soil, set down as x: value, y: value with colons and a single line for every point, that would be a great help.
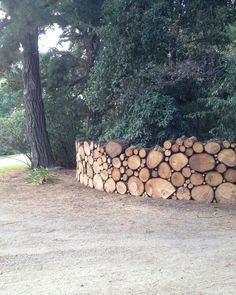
x: 66, y: 239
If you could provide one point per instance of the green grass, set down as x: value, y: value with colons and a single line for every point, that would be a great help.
x: 11, y: 166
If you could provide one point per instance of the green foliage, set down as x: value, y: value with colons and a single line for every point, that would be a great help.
x: 38, y: 176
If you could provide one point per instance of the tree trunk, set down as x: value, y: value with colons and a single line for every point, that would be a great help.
x: 36, y: 123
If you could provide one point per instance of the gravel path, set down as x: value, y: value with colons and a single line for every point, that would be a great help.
x: 65, y: 239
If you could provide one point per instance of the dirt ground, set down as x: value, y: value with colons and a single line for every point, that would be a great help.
x: 66, y: 239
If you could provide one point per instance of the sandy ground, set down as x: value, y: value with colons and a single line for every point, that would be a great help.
x: 65, y: 239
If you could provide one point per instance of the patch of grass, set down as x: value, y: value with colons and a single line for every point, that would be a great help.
x: 9, y: 164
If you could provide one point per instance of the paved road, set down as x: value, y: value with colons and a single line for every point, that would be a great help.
x: 80, y: 241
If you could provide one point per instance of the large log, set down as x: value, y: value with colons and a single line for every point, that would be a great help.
x: 230, y: 175
x: 178, y: 161
x: 144, y: 174
x: 121, y: 187
x: 135, y: 186
x: 159, y: 188
x: 97, y: 182
x: 154, y: 158
x: 177, y: 179
x: 164, y: 170
x: 214, y: 178
x: 212, y: 147
x: 202, y: 162
x: 228, y: 157
x: 183, y: 193
x: 134, y: 162
x: 203, y: 193
x: 226, y: 193
x: 110, y: 185
x: 114, y: 148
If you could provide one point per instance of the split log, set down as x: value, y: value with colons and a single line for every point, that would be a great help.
x: 198, y: 147
x: 228, y: 157
x: 134, y: 162
x: 177, y: 179
x: 203, y: 193
x: 135, y: 186
x: 114, y: 148
x: 230, y: 175
x: 154, y: 158
x: 183, y: 193
x: 178, y: 161
x: 89, y: 170
x: 115, y: 174
x: 214, y: 178
x: 202, y: 162
x: 226, y: 193
x: 104, y: 175
x: 186, y: 172
x: 159, y: 188
x: 188, y: 142
x: 116, y: 162
x: 221, y: 168
x: 212, y: 147
x: 144, y: 174
x: 87, y: 148
x: 121, y: 187
x: 164, y: 170
x: 97, y: 182
x: 110, y: 186
x: 196, y: 179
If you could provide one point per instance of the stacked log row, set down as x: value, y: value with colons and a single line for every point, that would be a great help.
x: 184, y: 169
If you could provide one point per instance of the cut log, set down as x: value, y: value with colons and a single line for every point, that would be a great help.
x: 154, y: 173
x: 122, y: 157
x: 202, y: 162
x: 228, y: 157
x: 80, y: 167
x: 175, y: 148
x: 87, y: 148
x: 90, y: 183
x: 129, y: 172
x: 105, y: 166
x: 125, y: 163
x: 167, y: 153
x: 81, y: 152
x: 164, y: 170
x: 182, y: 148
x: 159, y: 188
x: 178, y: 161
x: 183, y: 193
x: 180, y: 140
x: 226, y: 144
x: 144, y: 174
x: 221, y: 168
x: 186, y: 172
x: 116, y: 162
x: 189, y: 152
x: 90, y: 160
x: 115, y: 174
x: 121, y: 187
x: 135, y: 186
x: 167, y: 144
x: 198, y: 147
x: 226, y: 193
x: 122, y: 170
x: 114, y: 148
x: 85, y: 180
x: 212, y: 147
x: 142, y: 153
x: 203, y: 193
x: 96, y: 167
x: 196, y: 179
x: 97, y: 182
x: 214, y: 178
x: 129, y: 151
x: 230, y: 175
x: 188, y: 142
x: 125, y: 177
x: 110, y: 185
x: 104, y: 175
x: 154, y: 158
x: 89, y: 170
x: 96, y: 154
x: 134, y: 162
x: 177, y: 179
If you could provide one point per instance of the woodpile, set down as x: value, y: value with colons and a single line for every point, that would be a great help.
x: 184, y: 169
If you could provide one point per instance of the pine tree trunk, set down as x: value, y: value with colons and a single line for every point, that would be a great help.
x: 36, y: 123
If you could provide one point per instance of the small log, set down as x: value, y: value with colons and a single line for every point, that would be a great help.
x: 96, y: 167
x: 136, y: 173
x: 230, y: 175
x: 100, y: 162
x: 226, y: 144
x: 125, y: 163
x: 188, y: 142
x: 186, y: 172
x: 159, y: 188
x: 135, y: 186
x: 129, y: 172
x: 144, y: 174
x: 104, y: 158
x: 115, y: 174
x: 122, y: 157
x: 175, y: 148
x: 167, y: 153
x: 134, y: 162
x: 90, y: 160
x: 97, y: 182
x: 164, y: 170
x: 190, y: 185
x: 125, y: 177
x: 177, y: 179
x: 104, y: 175
x: 226, y: 193
x: 212, y: 147
x: 178, y: 161
x: 116, y: 162
x: 214, y: 178
x: 182, y: 148
x: 87, y: 148
x: 129, y: 151
x: 90, y: 183
x: 154, y: 173
x: 154, y: 158
x: 196, y: 179
x: 180, y: 140
x: 91, y: 145
x: 221, y: 168
x: 122, y: 170
x: 202, y: 162
x: 167, y: 144
x: 96, y: 154
x: 115, y: 148
x: 183, y: 193
x: 203, y: 193
x: 136, y: 151
x: 105, y: 166
x: 228, y: 157
x: 89, y: 170
x: 142, y: 153
x: 110, y: 186
x: 81, y: 152
x: 189, y: 152
x: 85, y: 180
x: 121, y: 187
x: 198, y: 147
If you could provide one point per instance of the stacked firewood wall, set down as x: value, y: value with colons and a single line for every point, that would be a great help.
x: 182, y: 170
